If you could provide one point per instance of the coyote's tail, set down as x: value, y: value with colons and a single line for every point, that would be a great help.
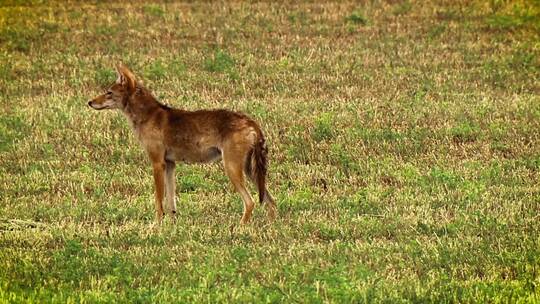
x: 257, y: 164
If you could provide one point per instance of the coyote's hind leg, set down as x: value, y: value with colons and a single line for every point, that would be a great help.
x: 233, y: 161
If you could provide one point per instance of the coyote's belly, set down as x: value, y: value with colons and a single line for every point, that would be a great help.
x: 193, y: 155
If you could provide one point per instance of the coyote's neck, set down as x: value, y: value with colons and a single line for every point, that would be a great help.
x: 140, y: 107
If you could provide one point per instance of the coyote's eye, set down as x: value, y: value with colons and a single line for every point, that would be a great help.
x: 109, y: 93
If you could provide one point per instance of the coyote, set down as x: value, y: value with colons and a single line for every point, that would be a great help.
x: 170, y: 135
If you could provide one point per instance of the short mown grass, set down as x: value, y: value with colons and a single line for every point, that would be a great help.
x: 404, y: 152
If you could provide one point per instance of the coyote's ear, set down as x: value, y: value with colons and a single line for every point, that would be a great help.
x: 125, y: 77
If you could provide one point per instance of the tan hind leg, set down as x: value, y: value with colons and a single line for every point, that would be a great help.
x: 170, y: 186
x: 233, y: 161
x: 271, y: 207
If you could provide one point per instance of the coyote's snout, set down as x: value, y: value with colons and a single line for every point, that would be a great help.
x: 170, y: 135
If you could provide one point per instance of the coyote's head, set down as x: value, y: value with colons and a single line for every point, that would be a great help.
x: 118, y: 93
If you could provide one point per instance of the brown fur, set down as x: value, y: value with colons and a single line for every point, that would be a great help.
x: 170, y: 135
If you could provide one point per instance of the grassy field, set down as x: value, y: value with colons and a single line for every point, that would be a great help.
x: 404, y: 152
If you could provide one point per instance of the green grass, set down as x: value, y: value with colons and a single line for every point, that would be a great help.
x: 404, y: 153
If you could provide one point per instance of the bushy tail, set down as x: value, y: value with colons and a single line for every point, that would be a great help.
x: 259, y: 166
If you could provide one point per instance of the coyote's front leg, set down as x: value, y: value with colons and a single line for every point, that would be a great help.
x: 170, y: 185
x: 159, y: 181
